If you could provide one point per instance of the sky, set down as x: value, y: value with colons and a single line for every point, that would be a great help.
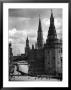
x: 24, y: 22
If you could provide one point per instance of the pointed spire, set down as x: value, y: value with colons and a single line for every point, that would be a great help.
x: 27, y: 42
x: 27, y: 38
x: 52, y: 18
x: 27, y: 46
x: 52, y: 31
x: 39, y: 24
x: 51, y: 13
x: 39, y: 36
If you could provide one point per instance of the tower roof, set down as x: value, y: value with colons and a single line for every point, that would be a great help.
x: 39, y: 24
x: 51, y: 13
x: 39, y: 36
x: 52, y: 32
x: 51, y: 18
x: 27, y: 45
x: 27, y: 39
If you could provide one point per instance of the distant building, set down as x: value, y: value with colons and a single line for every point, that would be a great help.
x: 10, y: 52
x: 27, y: 48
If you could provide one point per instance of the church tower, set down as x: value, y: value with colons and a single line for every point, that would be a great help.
x: 27, y: 47
x: 52, y: 50
x: 52, y: 35
x: 39, y: 36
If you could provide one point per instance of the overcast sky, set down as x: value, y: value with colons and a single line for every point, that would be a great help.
x: 24, y: 22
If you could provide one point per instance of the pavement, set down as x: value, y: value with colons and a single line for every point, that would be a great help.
x: 29, y: 78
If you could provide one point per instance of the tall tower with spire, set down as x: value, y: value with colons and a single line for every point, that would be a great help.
x: 52, y: 31
x: 39, y: 36
x: 27, y: 47
x: 52, y: 50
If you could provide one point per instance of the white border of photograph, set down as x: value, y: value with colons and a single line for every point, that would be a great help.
x: 64, y: 82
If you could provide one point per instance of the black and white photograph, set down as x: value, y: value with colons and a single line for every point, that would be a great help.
x: 35, y: 43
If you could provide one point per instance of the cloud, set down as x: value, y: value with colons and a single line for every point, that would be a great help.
x: 46, y: 21
x: 12, y: 32
x: 18, y: 39
x: 10, y: 40
x: 58, y: 23
x: 25, y: 23
x: 17, y: 36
